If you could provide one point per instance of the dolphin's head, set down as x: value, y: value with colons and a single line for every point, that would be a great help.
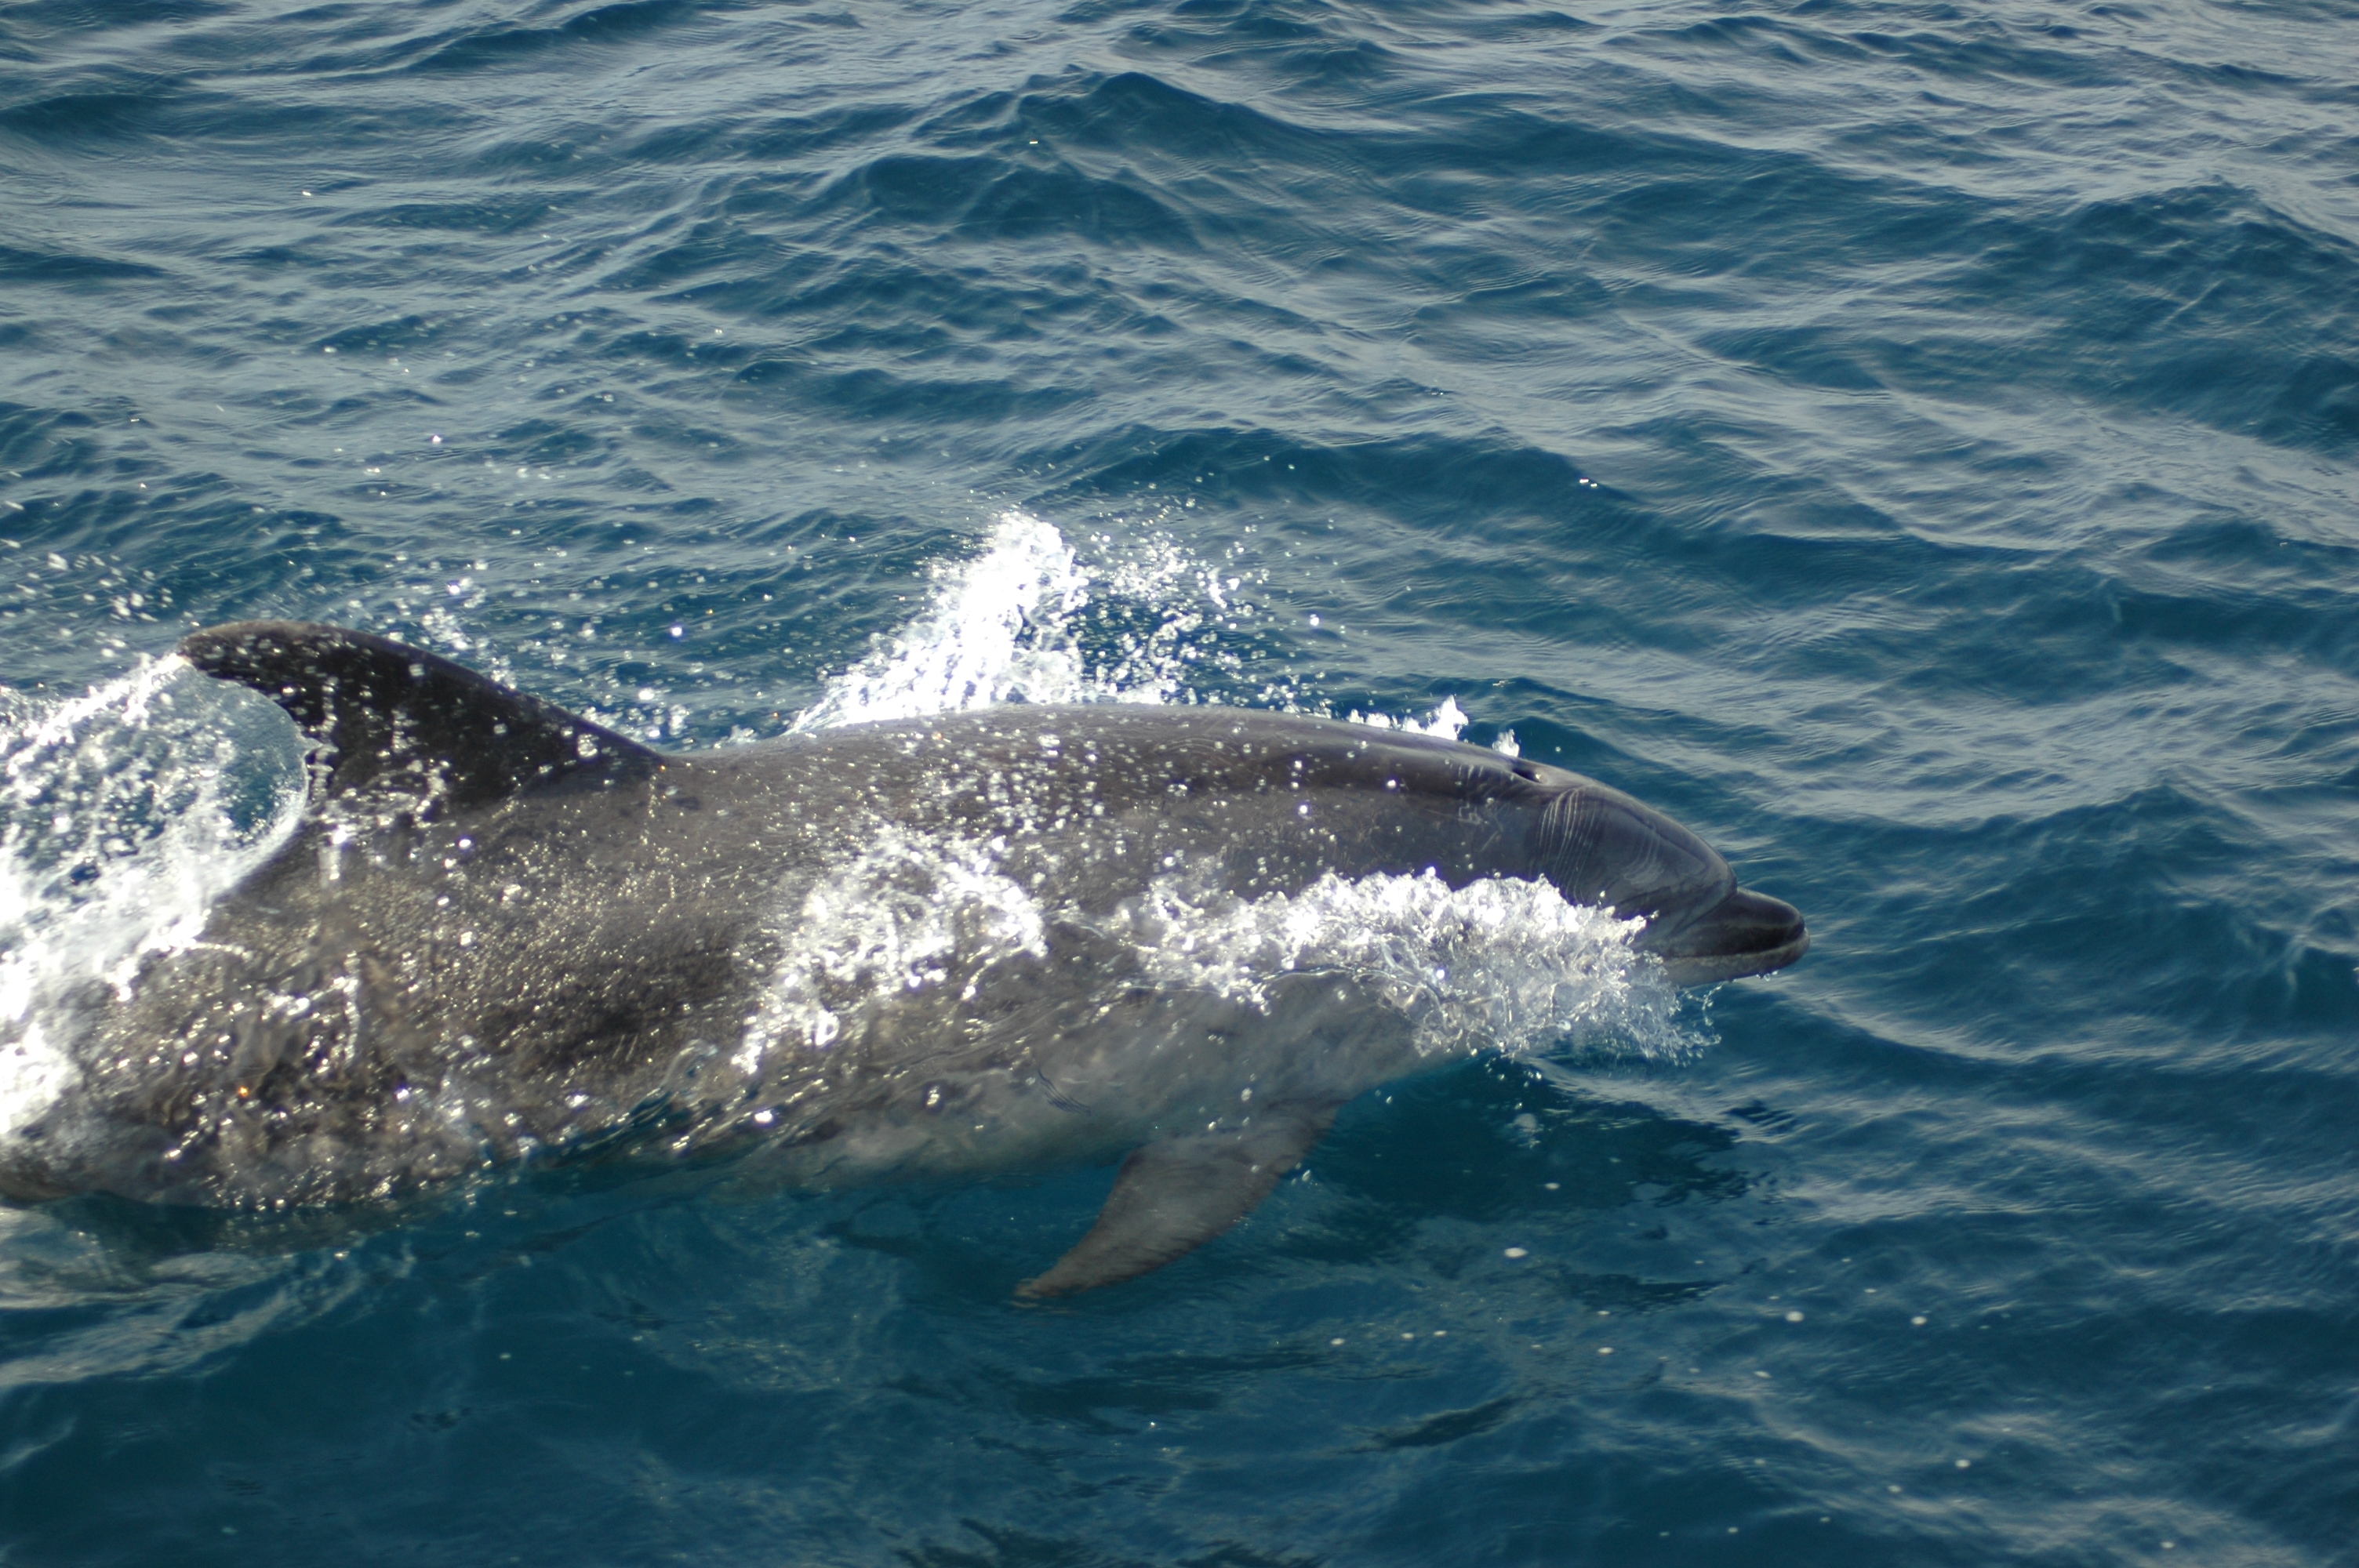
x: 1599, y: 846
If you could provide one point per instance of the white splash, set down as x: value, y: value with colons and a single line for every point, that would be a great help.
x: 980, y: 642
x: 119, y: 826
x: 1446, y: 722
x: 907, y: 914
x: 1026, y: 620
x: 1499, y: 963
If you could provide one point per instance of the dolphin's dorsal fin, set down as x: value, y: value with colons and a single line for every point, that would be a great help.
x: 1176, y: 1194
x: 386, y: 717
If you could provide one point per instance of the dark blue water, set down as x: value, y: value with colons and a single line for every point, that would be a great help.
x: 1912, y: 444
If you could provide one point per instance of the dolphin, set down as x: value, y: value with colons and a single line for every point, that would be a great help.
x: 923, y: 947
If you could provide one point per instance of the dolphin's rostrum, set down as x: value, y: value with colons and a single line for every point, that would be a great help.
x: 500, y: 929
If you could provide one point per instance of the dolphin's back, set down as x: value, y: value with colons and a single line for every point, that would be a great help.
x: 1275, y: 798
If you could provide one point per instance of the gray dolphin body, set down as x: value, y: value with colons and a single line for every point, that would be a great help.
x: 500, y: 929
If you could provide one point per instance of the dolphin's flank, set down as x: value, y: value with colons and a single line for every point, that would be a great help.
x: 904, y: 948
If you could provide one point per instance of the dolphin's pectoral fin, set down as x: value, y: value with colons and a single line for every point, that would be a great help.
x: 390, y: 717
x: 1176, y: 1194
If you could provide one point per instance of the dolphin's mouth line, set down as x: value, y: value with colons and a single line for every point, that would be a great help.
x: 1710, y: 970
x: 1746, y: 933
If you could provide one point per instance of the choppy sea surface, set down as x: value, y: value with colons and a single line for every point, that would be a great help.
x: 1912, y: 444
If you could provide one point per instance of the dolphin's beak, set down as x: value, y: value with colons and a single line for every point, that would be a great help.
x: 1743, y: 933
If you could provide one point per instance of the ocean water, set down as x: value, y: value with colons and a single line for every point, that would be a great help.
x: 1913, y: 444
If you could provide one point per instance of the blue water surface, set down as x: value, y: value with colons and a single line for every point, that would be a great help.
x: 1912, y: 443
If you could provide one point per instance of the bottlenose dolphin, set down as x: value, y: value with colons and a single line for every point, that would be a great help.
x: 500, y: 929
